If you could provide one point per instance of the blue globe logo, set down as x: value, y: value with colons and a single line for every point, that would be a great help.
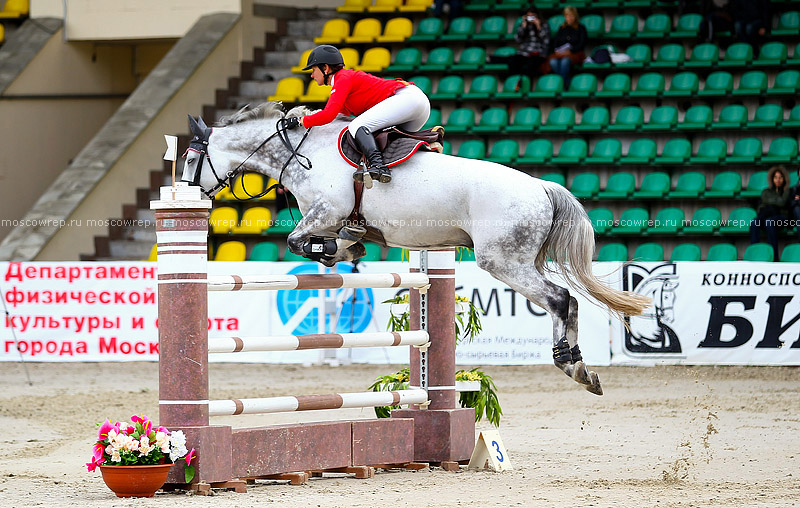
x: 354, y: 314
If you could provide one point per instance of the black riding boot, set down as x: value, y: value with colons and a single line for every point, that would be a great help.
x: 377, y: 169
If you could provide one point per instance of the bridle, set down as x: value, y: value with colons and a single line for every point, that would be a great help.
x: 199, y: 145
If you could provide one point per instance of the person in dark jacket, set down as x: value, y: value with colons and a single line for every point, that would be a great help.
x: 533, y: 36
x: 752, y: 19
x: 772, y: 208
x: 568, y: 44
x: 794, y: 206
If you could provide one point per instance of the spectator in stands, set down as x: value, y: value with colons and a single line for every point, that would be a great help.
x: 794, y: 206
x: 772, y: 208
x: 455, y: 8
x: 568, y: 44
x: 717, y: 17
x: 751, y: 21
x: 533, y: 37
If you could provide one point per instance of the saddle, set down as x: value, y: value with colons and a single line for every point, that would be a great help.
x: 396, y: 145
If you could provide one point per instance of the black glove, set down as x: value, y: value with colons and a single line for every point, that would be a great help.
x: 292, y: 123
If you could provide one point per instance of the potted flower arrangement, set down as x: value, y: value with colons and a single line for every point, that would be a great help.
x: 135, y: 458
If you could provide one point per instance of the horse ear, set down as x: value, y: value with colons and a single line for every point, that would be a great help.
x: 203, y: 126
x: 195, y: 128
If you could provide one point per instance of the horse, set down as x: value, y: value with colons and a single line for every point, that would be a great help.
x: 513, y: 221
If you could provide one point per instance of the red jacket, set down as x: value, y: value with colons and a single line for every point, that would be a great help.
x: 353, y: 93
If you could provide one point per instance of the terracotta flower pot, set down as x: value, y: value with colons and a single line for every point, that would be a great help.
x: 135, y: 481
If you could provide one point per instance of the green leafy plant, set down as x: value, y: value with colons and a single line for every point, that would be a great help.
x: 399, y: 322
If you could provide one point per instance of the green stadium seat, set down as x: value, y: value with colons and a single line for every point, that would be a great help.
x: 434, y: 119
x: 460, y: 29
x: 690, y: 185
x: 290, y: 256
x: 538, y: 151
x: 641, y: 55
x: 526, y: 119
x: 582, y: 86
x: 555, y: 22
x: 548, y: 86
x: 710, y: 151
x: 793, y: 122
x: 285, y: 221
x: 738, y: 54
x: 559, y: 120
x: 447, y: 148
x: 428, y: 30
x: 703, y: 55
x: 772, y: 54
x: 479, y: 5
x: 406, y: 60
x: 685, y: 252
x: 606, y: 151
x: 619, y: 185
x: 482, y: 88
x: 493, y: 120
x: 585, y: 185
x: 264, y: 251
x: 781, y: 151
x: 786, y: 83
x: 755, y: 185
x: 668, y: 221
x: 745, y: 151
x: 602, y: 220
x: 629, y: 119
x: 791, y: 253
x: 722, y: 252
x: 472, y: 149
x: 649, y: 252
x: 795, y: 59
x: 397, y: 254
x: 788, y: 24
x: 509, y: 5
x: 555, y: 178
x: 698, y: 117
x: 676, y: 151
x: 656, y: 26
x: 450, y: 88
x: 683, y: 84
x: 632, y: 221
x: 595, y: 25
x: 572, y: 151
x: 615, y: 85
x: 613, y: 252
x: 717, y: 84
x: 687, y: 27
x: 732, y: 116
x: 759, y: 252
x: 594, y: 119
x: 640, y: 151
x: 738, y: 222
x: 767, y: 116
x: 705, y: 221
x: 504, y: 151
x: 514, y: 87
x: 752, y: 83
x: 438, y: 60
x: 373, y: 252
x: 726, y: 184
x: 424, y: 83
x: 655, y: 185
x: 501, y: 54
x: 650, y: 84
x: 464, y: 254
x: 470, y: 60
x: 493, y: 28
x: 623, y: 26
x: 669, y: 56
x: 461, y: 120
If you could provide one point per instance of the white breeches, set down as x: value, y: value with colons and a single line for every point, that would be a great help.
x: 407, y: 109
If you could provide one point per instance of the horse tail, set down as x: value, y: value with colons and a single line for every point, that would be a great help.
x: 570, y: 246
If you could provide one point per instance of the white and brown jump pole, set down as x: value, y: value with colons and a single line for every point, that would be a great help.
x: 432, y: 430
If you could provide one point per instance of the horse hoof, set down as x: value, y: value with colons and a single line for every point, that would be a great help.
x: 581, y: 374
x: 594, y: 387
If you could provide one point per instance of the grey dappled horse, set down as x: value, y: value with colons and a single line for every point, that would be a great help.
x: 512, y: 220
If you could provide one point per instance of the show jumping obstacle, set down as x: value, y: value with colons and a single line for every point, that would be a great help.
x: 430, y: 430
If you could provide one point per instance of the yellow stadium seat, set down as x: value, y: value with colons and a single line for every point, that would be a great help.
x: 298, y: 69
x: 316, y: 93
x: 222, y: 219
x: 2, y: 34
x: 396, y: 30
x: 15, y: 9
x: 224, y: 194
x: 231, y: 251
x: 271, y: 195
x: 416, y: 6
x: 153, y: 253
x: 375, y: 60
x: 385, y: 5
x: 350, y: 57
x: 365, y: 31
x: 289, y: 89
x: 354, y: 6
x: 247, y: 185
x: 254, y: 221
x: 334, y: 31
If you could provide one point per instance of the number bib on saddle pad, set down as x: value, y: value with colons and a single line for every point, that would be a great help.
x: 396, y: 145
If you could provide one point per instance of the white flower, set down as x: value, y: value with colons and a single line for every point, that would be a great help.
x: 115, y: 457
x: 177, y: 445
x: 144, y: 446
x: 162, y: 442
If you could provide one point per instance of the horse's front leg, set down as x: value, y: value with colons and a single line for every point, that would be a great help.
x: 323, y: 239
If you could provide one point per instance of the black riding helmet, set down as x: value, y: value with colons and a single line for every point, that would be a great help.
x: 325, y: 54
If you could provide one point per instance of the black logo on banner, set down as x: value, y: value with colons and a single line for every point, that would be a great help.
x: 651, y: 332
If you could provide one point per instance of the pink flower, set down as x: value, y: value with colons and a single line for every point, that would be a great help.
x: 163, y: 429
x: 147, y: 425
x: 105, y: 427
x: 190, y: 457
x: 98, y: 452
x: 91, y: 466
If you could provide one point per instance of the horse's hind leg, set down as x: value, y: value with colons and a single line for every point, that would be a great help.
x: 562, y: 307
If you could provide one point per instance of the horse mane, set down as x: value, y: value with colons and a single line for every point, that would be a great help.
x: 264, y: 111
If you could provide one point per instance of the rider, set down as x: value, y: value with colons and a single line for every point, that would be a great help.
x: 377, y: 103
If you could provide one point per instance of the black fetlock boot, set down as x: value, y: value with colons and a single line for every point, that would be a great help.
x: 377, y: 169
